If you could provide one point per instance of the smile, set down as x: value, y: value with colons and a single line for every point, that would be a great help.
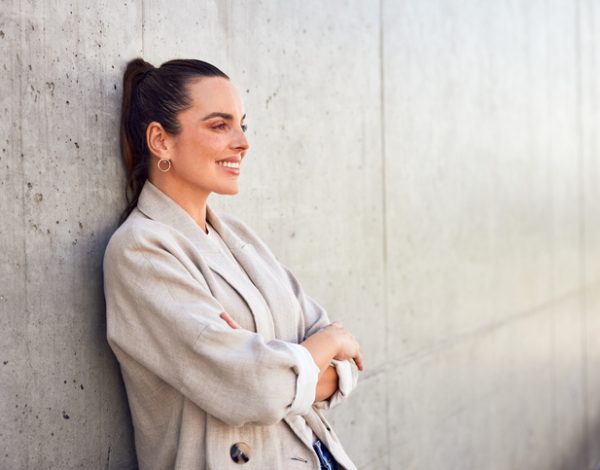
x: 230, y: 164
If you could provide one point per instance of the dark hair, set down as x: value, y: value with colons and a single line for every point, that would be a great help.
x: 153, y: 94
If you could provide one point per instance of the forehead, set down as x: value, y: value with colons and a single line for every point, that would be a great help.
x: 214, y: 94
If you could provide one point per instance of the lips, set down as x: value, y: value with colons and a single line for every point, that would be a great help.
x: 230, y: 165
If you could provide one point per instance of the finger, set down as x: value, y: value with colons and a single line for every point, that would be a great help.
x: 230, y: 321
x: 359, y: 362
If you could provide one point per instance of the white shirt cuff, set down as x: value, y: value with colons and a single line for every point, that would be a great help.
x: 344, y: 372
x: 306, y: 383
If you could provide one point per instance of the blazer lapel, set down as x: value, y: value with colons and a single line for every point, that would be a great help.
x: 243, y: 253
x: 158, y: 206
x: 280, y: 301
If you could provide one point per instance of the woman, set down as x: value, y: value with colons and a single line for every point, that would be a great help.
x: 226, y: 361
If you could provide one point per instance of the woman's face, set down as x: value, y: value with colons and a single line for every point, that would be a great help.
x: 207, y: 152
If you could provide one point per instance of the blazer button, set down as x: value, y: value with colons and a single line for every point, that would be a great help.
x: 240, y: 452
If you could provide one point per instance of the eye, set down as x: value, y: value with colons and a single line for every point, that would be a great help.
x: 220, y: 126
x: 244, y: 127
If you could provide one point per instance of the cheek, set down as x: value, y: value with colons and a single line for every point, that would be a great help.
x: 194, y: 148
x: 205, y: 144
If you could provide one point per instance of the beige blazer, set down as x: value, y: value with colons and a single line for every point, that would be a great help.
x: 203, y: 395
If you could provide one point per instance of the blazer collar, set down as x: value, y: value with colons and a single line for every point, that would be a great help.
x: 160, y: 207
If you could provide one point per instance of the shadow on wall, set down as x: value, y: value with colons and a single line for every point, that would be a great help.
x: 580, y: 455
x: 120, y: 453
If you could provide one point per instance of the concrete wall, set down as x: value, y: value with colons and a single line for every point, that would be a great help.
x: 428, y: 168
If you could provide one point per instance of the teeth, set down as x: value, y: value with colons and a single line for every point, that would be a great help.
x: 230, y: 164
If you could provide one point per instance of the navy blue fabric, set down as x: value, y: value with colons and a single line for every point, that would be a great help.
x: 325, y: 458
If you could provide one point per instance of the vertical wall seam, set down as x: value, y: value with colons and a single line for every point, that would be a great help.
x: 581, y: 226
x: 19, y: 62
x: 143, y: 29
x: 384, y: 251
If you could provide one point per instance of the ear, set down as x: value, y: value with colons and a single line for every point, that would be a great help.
x: 158, y: 140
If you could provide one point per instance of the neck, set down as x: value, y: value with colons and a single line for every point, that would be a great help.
x: 191, y: 199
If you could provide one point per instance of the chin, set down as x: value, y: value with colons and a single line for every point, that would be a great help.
x: 228, y: 190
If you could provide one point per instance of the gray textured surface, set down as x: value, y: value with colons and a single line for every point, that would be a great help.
x: 429, y: 169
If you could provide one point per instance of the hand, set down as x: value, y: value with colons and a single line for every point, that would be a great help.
x: 348, y: 346
x: 230, y: 321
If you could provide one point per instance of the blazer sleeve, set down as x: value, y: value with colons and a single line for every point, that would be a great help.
x: 165, y: 319
x: 316, y: 318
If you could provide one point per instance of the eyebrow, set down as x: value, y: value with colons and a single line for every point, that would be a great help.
x: 226, y: 116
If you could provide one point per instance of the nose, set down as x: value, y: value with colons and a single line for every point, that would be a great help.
x: 241, y: 141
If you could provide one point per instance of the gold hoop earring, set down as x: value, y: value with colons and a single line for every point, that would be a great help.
x: 159, y: 164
